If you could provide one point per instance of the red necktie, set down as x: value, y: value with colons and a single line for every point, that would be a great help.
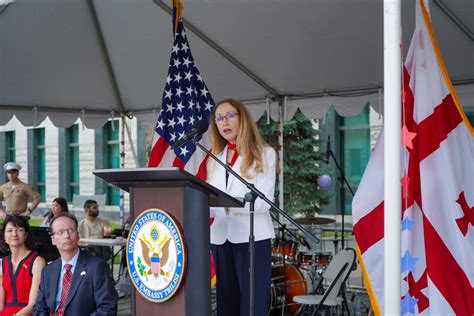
x: 67, y: 278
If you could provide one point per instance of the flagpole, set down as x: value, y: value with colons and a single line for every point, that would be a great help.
x: 392, y: 129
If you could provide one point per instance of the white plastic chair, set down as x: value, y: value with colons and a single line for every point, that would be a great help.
x: 337, y: 273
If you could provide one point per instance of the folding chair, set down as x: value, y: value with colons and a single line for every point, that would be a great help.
x: 337, y: 273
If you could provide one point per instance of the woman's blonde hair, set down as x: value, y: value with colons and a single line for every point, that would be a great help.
x: 250, y: 144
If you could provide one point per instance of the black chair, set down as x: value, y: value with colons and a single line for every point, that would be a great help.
x: 41, y: 243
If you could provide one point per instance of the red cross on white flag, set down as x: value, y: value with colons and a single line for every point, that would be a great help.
x: 437, y: 154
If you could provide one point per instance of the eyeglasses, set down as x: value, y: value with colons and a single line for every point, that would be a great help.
x: 62, y: 232
x: 229, y: 115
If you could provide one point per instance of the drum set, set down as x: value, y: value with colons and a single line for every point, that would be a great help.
x: 296, y: 269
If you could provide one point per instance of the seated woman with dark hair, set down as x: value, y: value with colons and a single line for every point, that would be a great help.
x: 59, y: 205
x: 21, y: 269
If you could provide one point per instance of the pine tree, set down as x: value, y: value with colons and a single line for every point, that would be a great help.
x: 303, y: 163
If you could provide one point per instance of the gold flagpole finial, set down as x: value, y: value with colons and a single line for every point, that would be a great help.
x: 178, y: 6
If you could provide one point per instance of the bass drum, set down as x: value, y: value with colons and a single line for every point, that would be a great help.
x: 294, y: 280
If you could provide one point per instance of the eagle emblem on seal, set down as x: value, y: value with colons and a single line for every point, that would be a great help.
x: 155, y: 257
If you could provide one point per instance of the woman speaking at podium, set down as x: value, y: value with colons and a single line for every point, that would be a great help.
x: 236, y: 141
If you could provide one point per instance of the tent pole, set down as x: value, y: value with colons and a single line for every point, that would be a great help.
x: 130, y: 141
x: 392, y: 130
x: 281, y: 123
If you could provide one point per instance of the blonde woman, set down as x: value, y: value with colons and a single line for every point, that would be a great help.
x: 236, y: 141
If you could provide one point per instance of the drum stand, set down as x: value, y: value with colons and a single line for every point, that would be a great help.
x: 283, y: 304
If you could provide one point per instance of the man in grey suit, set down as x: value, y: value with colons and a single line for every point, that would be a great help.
x: 77, y: 283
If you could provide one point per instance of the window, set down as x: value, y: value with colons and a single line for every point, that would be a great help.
x: 470, y: 117
x: 112, y: 133
x: 72, y: 136
x: 355, y: 152
x: 39, y: 162
x: 10, y: 143
x: 7, y: 151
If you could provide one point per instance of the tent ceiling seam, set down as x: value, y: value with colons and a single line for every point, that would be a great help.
x: 294, y: 96
x: 106, y: 55
x: 273, y: 93
x: 456, y: 20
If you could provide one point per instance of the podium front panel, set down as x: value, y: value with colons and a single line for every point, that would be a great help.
x: 190, y: 208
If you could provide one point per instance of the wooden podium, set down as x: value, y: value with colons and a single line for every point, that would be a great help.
x: 188, y: 199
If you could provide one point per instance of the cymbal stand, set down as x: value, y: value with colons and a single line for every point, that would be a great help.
x: 342, y: 180
x: 283, y: 227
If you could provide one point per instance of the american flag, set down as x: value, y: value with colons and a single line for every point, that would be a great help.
x: 186, y: 100
x: 437, y: 215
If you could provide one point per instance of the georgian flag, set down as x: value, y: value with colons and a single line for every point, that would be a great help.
x: 437, y: 155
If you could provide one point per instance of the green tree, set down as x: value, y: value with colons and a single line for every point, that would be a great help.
x: 303, y: 163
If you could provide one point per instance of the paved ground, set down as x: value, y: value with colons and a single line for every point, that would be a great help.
x: 355, y: 293
x: 355, y: 290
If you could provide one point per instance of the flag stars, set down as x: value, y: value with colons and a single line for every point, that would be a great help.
x: 204, y: 92
x: 405, y: 181
x: 407, y: 137
x: 185, y: 47
x: 170, y: 108
x: 188, y: 75
x: 171, y: 123
x: 181, y: 121
x: 180, y: 106
x: 186, y: 61
x: 408, y: 262
x: 177, y: 77
x: 176, y: 63
x: 179, y: 92
x: 408, y: 304
x: 168, y: 94
x: 173, y: 137
x: 175, y: 48
x: 209, y: 106
x: 184, y: 151
x: 407, y: 224
x: 160, y: 124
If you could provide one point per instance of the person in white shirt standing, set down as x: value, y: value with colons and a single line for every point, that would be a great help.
x: 236, y: 141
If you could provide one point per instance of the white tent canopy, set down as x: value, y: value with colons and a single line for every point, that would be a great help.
x: 88, y: 58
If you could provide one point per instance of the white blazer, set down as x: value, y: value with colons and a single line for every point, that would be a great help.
x: 233, y: 224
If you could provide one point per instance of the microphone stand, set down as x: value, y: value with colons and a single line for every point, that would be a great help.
x: 251, y: 197
x: 342, y: 179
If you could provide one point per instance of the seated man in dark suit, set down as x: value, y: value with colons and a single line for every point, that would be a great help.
x: 77, y: 283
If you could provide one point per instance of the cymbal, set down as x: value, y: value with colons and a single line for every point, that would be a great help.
x: 314, y: 220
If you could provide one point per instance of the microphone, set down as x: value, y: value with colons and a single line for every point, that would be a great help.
x: 328, y: 150
x: 200, y: 127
